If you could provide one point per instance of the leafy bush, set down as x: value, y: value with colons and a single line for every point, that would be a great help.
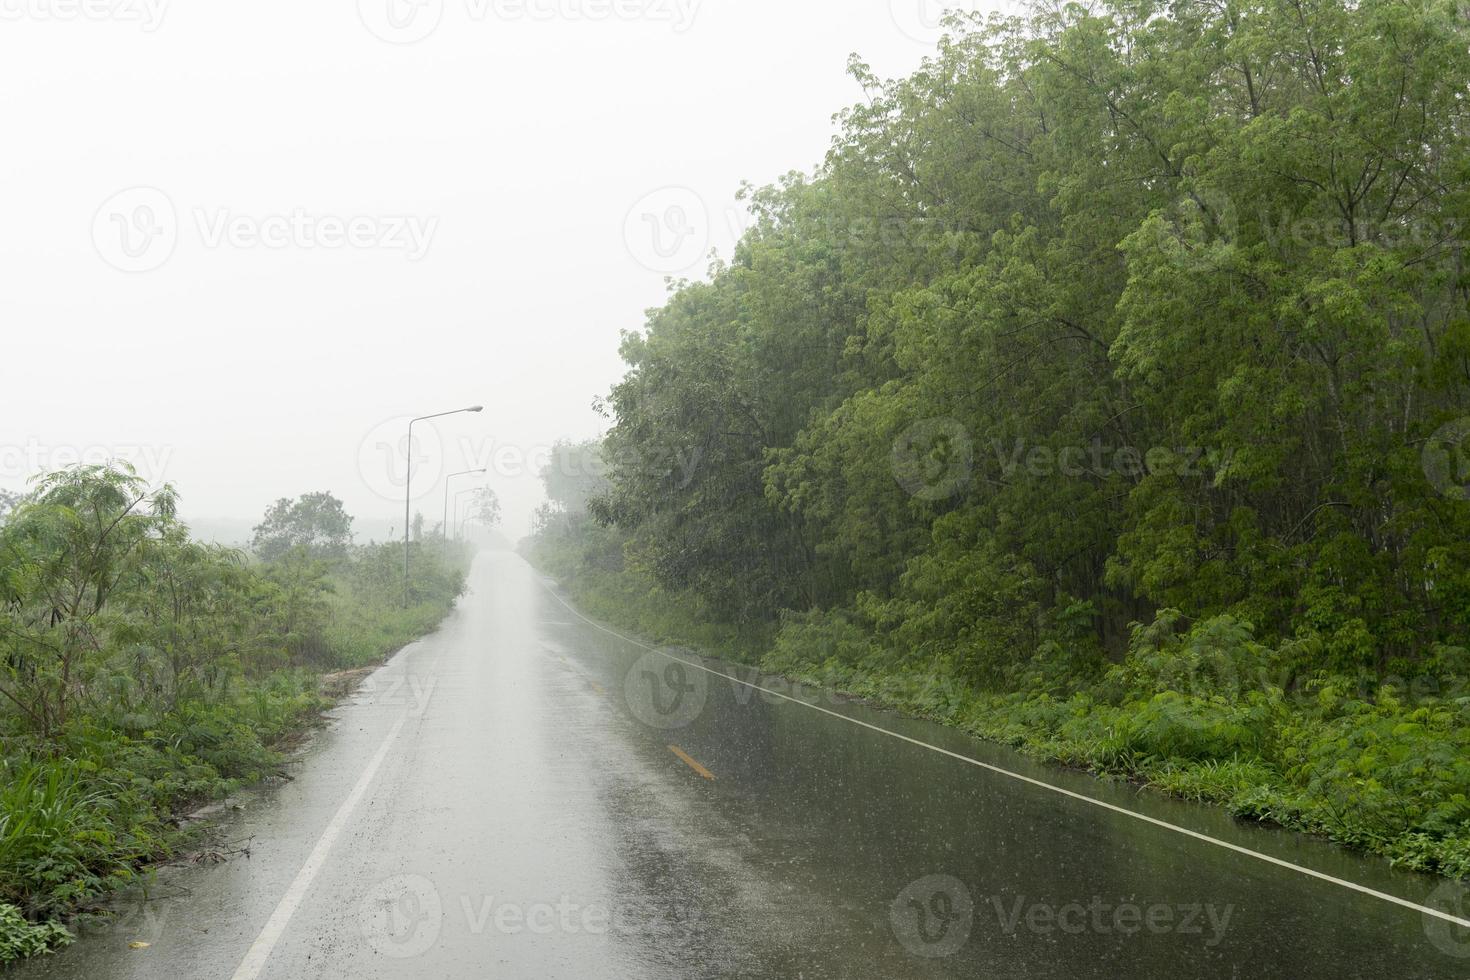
x: 142, y: 673
x: 19, y: 938
x: 826, y: 640
x: 57, y: 837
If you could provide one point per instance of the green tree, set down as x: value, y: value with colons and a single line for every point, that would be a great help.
x: 193, y: 622
x: 1175, y: 291
x: 484, y: 507
x: 67, y: 550
x: 296, y: 603
x: 316, y: 522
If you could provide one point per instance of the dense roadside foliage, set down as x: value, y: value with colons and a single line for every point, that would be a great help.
x: 143, y: 672
x: 1104, y: 393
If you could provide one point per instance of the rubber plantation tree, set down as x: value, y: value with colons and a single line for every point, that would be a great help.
x: 63, y: 553
x: 316, y: 522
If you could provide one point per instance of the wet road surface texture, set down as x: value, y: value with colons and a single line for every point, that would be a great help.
x: 525, y: 794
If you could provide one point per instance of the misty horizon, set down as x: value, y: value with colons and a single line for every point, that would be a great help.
x: 303, y: 282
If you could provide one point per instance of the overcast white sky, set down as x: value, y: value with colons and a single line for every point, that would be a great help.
x: 327, y: 229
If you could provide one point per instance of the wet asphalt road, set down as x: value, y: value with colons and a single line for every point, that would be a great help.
x: 525, y: 795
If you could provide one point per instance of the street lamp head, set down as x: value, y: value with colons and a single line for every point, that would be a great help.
x: 475, y: 408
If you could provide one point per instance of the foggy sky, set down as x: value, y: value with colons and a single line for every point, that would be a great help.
x: 240, y: 240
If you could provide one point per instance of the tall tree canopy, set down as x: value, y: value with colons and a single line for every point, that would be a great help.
x: 314, y: 522
x: 1103, y: 311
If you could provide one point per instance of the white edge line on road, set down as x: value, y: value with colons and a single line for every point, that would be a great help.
x: 1269, y: 859
x: 255, y: 960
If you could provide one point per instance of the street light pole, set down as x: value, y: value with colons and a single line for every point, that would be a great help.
x: 456, y: 508
x: 408, y: 484
x: 447, y: 481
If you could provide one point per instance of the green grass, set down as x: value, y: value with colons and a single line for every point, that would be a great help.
x: 635, y: 603
x: 56, y: 833
x: 360, y: 635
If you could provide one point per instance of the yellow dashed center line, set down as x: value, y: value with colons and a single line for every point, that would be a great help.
x: 690, y: 762
x: 590, y: 682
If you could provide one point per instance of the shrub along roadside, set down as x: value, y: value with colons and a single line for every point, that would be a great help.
x: 143, y: 673
x: 1200, y: 712
x: 1380, y: 776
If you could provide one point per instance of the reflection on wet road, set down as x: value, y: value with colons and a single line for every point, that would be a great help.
x: 524, y: 794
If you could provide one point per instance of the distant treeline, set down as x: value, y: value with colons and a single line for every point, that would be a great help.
x: 1113, y: 370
